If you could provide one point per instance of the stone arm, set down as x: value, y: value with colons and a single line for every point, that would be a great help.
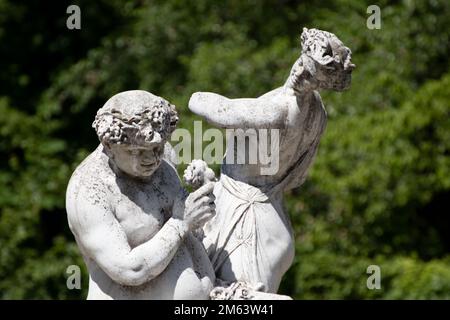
x: 223, y: 112
x: 102, y: 238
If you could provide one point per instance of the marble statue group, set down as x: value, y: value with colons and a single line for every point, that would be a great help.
x: 143, y: 236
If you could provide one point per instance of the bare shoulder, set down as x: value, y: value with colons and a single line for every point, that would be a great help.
x: 93, y: 171
x: 300, y: 104
x: 272, y: 93
x: 87, y: 186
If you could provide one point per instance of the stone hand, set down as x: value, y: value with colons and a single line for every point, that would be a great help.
x: 199, y: 207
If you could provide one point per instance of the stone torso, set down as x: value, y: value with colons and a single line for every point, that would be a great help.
x: 141, y: 209
x: 269, y: 227
x: 305, y: 122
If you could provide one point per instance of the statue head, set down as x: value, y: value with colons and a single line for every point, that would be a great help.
x: 133, y: 126
x: 325, y: 62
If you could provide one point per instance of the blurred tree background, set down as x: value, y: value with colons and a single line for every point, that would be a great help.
x: 377, y: 194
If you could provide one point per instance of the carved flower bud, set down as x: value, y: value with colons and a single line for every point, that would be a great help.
x: 198, y: 174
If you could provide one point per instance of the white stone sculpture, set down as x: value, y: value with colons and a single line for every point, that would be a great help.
x: 140, y: 232
x: 196, y: 175
x: 241, y: 290
x: 250, y: 239
x: 130, y: 216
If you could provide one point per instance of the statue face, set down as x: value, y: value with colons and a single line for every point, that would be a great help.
x: 327, y: 59
x: 139, y: 161
x: 336, y: 73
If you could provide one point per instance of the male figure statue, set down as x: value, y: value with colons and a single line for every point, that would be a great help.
x: 128, y: 211
x: 250, y: 239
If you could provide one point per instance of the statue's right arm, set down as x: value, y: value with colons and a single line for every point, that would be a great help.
x: 223, y: 112
x: 103, y: 239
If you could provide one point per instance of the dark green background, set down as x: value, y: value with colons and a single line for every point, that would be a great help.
x: 377, y: 193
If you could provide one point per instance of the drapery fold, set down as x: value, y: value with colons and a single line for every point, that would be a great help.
x: 248, y: 223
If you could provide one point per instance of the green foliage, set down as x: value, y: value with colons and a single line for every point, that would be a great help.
x: 379, y: 170
x: 377, y: 193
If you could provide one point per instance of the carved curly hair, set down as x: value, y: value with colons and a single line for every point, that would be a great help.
x: 135, y: 117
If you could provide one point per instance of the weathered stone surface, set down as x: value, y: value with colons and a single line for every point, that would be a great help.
x: 139, y: 231
x: 130, y: 216
x: 250, y: 239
